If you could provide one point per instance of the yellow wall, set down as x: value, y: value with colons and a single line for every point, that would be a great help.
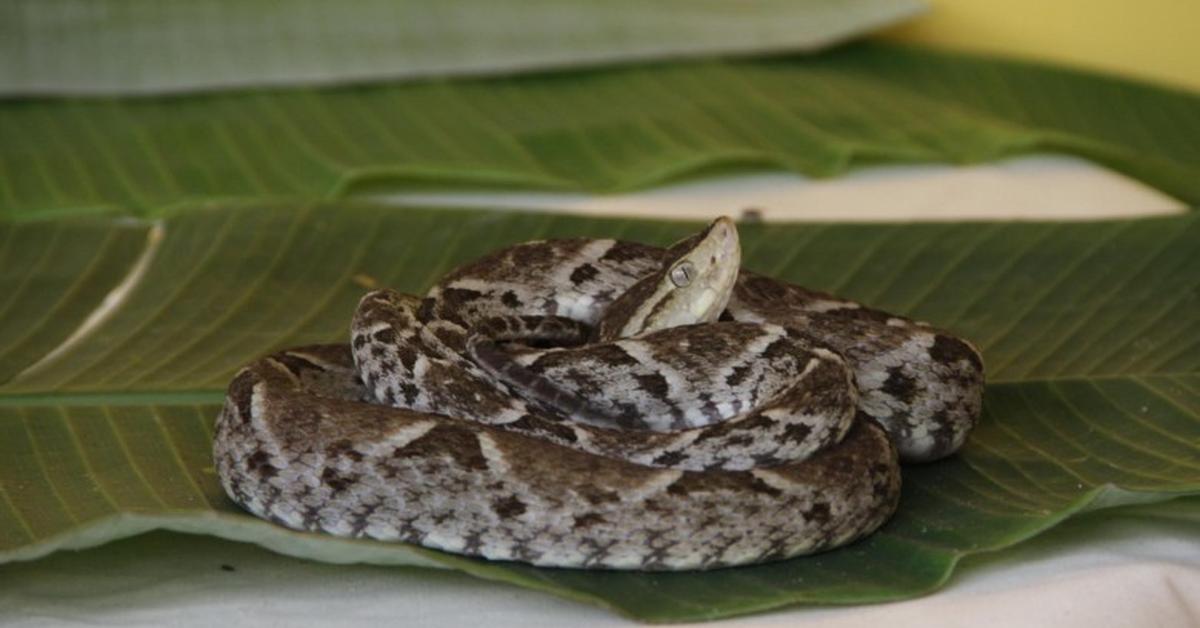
x: 1156, y: 40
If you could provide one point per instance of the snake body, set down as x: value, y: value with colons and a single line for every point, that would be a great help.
x: 924, y: 385
x: 696, y: 443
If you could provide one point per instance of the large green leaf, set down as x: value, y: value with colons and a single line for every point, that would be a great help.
x: 598, y: 130
x: 1087, y: 330
x: 123, y: 46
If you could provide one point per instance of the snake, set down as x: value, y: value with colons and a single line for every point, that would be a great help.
x: 601, y: 404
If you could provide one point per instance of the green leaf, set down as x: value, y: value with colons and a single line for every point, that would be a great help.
x: 600, y: 130
x: 119, y: 46
x: 1087, y: 330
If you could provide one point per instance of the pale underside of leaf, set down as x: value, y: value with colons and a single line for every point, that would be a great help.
x: 1027, y: 187
x: 1086, y: 328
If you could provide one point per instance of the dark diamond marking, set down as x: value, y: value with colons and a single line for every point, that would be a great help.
x: 899, y: 385
x: 739, y: 375
x: 509, y: 507
x: 260, y: 463
x: 948, y: 350
x: 669, y: 458
x: 587, y: 520
x: 334, y: 480
x: 583, y: 274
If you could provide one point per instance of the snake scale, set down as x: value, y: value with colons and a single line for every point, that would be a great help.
x: 598, y: 403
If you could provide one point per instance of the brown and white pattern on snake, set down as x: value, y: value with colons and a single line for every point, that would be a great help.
x: 409, y: 364
x: 895, y: 393
x: 397, y: 354
x: 925, y: 385
x: 286, y: 451
x: 297, y: 445
x: 678, y: 378
x: 576, y: 279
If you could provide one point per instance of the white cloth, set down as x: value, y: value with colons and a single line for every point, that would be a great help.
x: 1104, y: 571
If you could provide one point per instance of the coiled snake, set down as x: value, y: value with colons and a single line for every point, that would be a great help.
x: 600, y: 404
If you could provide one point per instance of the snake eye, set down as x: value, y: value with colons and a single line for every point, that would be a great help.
x: 682, y: 274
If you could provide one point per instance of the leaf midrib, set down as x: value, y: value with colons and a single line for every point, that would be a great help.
x: 208, y: 396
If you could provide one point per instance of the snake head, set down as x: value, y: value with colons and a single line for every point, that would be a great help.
x: 692, y: 286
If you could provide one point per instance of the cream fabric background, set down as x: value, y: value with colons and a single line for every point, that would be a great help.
x: 1150, y: 40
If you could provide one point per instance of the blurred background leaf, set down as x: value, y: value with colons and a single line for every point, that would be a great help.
x: 599, y: 130
x: 142, y: 46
